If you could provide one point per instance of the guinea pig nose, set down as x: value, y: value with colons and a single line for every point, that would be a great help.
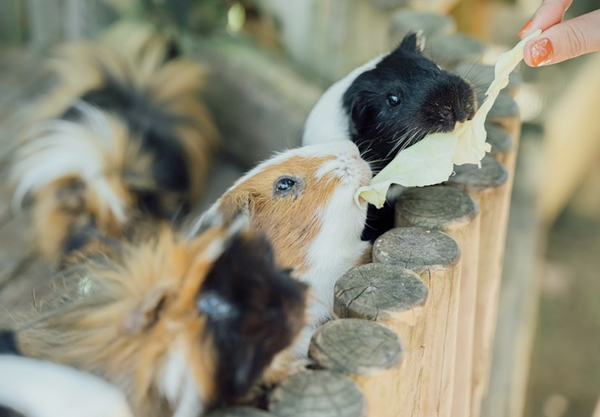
x: 447, y: 115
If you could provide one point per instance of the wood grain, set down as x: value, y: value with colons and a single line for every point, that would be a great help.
x: 318, y: 393
x: 355, y: 347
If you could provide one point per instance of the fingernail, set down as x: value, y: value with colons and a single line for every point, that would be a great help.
x: 541, y: 52
x: 525, y: 30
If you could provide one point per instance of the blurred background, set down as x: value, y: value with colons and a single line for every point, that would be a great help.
x: 270, y: 61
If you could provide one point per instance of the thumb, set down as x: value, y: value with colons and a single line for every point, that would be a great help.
x: 565, y: 40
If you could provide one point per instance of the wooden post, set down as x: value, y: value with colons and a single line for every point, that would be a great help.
x: 407, y: 20
x: 318, y: 394
x: 503, y: 146
x: 355, y: 347
x: 435, y: 257
x: 454, y: 212
x: 489, y: 186
x: 448, y: 50
x: 11, y: 21
x: 395, y: 297
x: 259, y: 103
x: 504, y: 112
x: 45, y: 22
x: 368, y: 352
x: 519, y: 292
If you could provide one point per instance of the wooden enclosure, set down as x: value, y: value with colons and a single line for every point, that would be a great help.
x: 434, y: 281
x: 414, y: 330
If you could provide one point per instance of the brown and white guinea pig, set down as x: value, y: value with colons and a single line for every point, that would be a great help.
x: 179, y: 325
x: 387, y: 105
x: 122, y: 134
x: 303, y: 200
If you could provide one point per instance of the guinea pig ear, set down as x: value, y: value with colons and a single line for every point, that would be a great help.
x: 224, y: 212
x: 414, y: 42
x: 147, y: 312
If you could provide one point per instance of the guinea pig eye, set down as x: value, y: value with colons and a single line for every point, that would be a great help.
x: 286, y: 185
x: 393, y: 100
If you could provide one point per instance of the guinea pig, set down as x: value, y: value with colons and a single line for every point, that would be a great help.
x: 389, y: 104
x: 123, y: 134
x: 179, y: 325
x: 34, y: 388
x: 303, y: 201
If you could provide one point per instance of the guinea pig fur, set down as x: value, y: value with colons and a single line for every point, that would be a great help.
x: 179, y: 325
x: 387, y: 105
x: 390, y: 103
x: 34, y: 388
x: 303, y: 201
x: 122, y: 134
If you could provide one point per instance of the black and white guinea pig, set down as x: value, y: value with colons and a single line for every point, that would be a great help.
x: 122, y: 134
x: 179, y: 325
x: 387, y: 105
x: 303, y: 201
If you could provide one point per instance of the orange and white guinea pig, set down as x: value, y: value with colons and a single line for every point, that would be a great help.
x: 303, y: 201
x: 179, y: 325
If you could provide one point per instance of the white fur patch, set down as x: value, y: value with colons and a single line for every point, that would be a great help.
x: 43, y: 389
x: 328, y: 121
x: 179, y: 387
x: 64, y: 148
x: 342, y: 149
x: 335, y: 250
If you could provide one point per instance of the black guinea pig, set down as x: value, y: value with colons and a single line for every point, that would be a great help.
x: 387, y: 105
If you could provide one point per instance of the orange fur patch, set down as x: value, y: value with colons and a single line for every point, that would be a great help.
x: 291, y: 223
x: 140, y: 309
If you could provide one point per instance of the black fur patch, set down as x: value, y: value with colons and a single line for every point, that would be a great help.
x: 395, y: 105
x: 254, y: 311
x: 428, y: 100
x: 7, y: 412
x: 154, y: 125
x: 8, y: 343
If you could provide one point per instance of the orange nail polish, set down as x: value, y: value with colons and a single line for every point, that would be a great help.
x: 525, y: 29
x: 541, y: 52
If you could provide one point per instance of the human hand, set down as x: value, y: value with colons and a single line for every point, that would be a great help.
x: 560, y: 40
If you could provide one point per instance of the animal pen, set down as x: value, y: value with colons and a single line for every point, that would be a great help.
x: 415, y: 328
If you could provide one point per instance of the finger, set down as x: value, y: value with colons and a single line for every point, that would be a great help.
x: 566, y: 40
x: 547, y: 15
